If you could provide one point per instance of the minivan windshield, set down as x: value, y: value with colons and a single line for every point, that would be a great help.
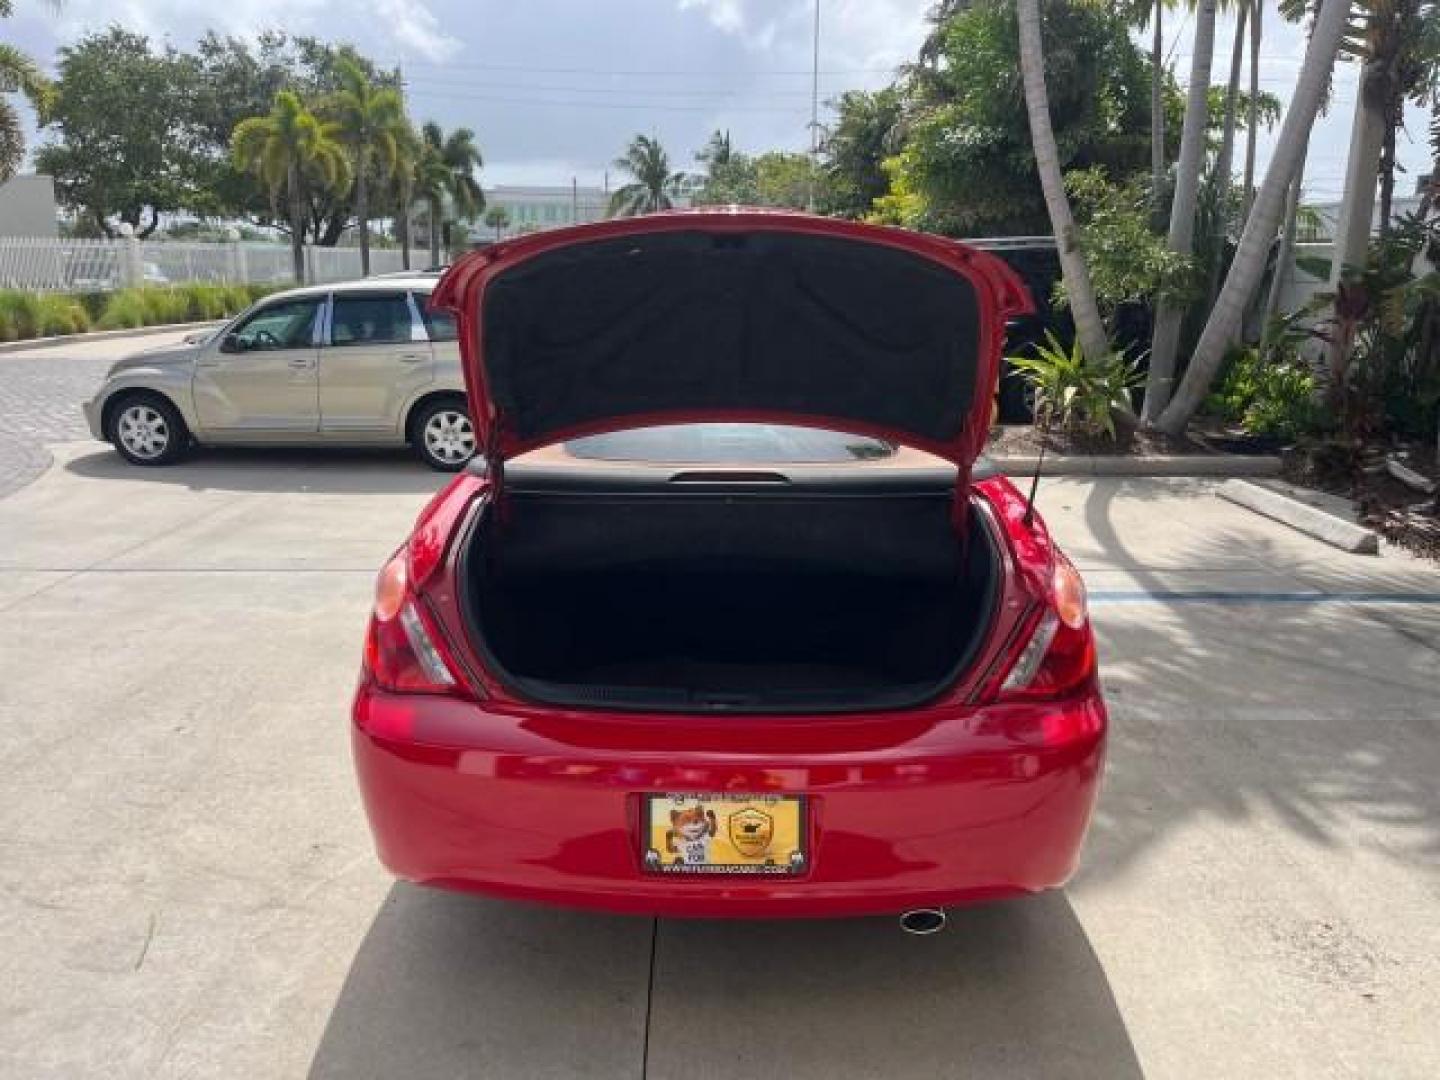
x: 730, y: 443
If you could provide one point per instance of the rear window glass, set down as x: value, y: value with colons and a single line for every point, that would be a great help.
x: 370, y: 320
x: 440, y: 325
x: 730, y: 444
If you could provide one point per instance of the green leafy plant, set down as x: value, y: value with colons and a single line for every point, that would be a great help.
x: 1272, y: 396
x: 1078, y: 396
x: 1129, y: 261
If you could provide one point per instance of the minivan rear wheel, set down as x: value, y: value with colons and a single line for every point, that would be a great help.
x: 443, y: 435
x: 147, y: 430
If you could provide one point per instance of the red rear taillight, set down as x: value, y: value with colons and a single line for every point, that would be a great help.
x: 1059, y: 651
x: 403, y: 648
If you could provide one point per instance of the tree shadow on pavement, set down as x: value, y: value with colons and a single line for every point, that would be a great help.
x: 1314, y: 715
x: 278, y: 470
x: 449, y: 985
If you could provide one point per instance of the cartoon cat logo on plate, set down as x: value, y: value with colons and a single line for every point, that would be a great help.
x: 688, y: 838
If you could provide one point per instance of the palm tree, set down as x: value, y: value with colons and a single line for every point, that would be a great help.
x: 717, y: 153
x: 498, y: 218
x: 462, y: 158
x: 431, y: 180
x: 402, y: 183
x: 654, y: 185
x: 1166, y: 340
x: 1089, y: 328
x: 370, y: 122
x: 1142, y: 14
x: 18, y: 74
x: 445, y: 172
x: 289, y: 150
x: 1252, y: 122
x: 1398, y: 44
x: 1248, y: 265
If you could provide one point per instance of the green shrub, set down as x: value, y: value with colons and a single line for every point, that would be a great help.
x: 1078, y: 396
x: 59, y: 313
x: 19, y: 315
x: 1268, y: 397
x: 124, y: 310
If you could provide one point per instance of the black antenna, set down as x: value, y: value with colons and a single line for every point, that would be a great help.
x: 1039, y: 461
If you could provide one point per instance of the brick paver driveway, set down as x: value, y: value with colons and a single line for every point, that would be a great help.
x: 41, y: 390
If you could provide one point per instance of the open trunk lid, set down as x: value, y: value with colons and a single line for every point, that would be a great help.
x: 732, y: 315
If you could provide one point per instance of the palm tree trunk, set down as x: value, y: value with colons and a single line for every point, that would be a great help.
x: 402, y: 224
x: 1357, y: 211
x: 1252, y: 126
x: 1285, y: 257
x: 1089, y: 328
x: 1249, y: 262
x: 1225, y: 161
x: 297, y: 223
x: 362, y: 214
x: 1387, y: 176
x: 1166, y: 340
x: 434, y: 231
x: 1157, y: 108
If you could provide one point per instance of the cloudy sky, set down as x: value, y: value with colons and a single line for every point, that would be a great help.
x: 555, y: 88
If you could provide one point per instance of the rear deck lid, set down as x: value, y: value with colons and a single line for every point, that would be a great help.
x: 732, y: 315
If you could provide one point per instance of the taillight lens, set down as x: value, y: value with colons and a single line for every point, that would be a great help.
x: 1059, y: 654
x: 402, y: 647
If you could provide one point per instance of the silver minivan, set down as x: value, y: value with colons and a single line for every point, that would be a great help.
x: 356, y: 364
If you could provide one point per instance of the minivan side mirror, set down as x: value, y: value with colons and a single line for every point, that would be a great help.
x: 231, y: 343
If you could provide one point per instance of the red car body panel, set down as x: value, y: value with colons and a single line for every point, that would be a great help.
x: 980, y: 793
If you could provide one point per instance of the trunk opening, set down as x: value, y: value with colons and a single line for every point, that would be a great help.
x: 729, y: 592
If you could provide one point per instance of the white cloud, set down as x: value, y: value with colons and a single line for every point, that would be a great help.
x: 727, y: 15
x: 853, y: 33
x: 406, y: 27
x: 416, y: 29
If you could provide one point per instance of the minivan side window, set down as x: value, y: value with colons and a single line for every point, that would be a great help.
x: 285, y: 324
x: 440, y: 325
x: 370, y: 319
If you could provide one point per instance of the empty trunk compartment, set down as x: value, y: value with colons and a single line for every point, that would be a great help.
x: 755, y: 594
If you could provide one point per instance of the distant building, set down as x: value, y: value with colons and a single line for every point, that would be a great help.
x: 1324, y: 217
x: 537, y: 208
x: 533, y: 209
x: 27, y: 207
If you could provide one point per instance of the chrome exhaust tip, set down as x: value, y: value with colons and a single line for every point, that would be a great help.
x: 923, y: 921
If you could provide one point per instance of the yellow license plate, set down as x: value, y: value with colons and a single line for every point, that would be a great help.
x: 724, y: 834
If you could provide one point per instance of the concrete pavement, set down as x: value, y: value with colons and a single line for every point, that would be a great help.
x: 188, y: 890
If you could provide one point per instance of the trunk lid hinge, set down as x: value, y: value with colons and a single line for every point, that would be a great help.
x: 495, y: 468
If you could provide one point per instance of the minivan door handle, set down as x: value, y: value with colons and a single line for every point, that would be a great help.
x: 412, y: 357
x: 300, y: 361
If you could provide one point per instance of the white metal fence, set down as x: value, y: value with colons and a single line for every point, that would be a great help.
x: 50, y: 265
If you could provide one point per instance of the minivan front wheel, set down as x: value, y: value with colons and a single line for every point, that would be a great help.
x: 444, y: 436
x: 148, y: 430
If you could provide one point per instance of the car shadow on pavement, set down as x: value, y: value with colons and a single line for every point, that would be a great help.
x: 448, y: 985
x: 279, y: 470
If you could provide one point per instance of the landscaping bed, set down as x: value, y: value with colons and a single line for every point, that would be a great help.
x: 1397, y: 511
x: 1025, y: 440
x: 27, y: 315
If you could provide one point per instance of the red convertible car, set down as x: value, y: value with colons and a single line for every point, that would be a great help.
x: 729, y: 618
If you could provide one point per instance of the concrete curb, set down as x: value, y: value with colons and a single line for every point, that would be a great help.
x: 1304, y: 517
x: 102, y: 335
x: 1141, y: 465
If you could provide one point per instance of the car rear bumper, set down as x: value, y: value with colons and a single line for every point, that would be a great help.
x: 925, y: 808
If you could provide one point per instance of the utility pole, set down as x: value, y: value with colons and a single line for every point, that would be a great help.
x: 814, y: 111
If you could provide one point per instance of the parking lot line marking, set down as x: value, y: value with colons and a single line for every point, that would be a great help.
x: 1215, y: 596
